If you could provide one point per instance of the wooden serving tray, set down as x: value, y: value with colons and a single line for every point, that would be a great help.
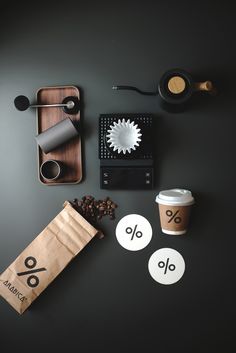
x: 70, y: 153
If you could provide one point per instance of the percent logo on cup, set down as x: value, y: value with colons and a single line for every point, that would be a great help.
x: 166, y: 266
x: 134, y: 232
x: 173, y: 216
x: 32, y: 280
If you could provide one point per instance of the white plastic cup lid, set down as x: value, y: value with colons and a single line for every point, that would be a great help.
x: 175, y: 197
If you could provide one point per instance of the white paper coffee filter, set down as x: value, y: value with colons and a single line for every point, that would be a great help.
x: 124, y: 136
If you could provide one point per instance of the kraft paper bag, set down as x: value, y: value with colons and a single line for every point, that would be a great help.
x: 42, y: 261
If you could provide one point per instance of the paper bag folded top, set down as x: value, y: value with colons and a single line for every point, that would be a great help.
x: 48, y: 254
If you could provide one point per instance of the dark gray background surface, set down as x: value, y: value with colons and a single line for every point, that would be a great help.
x: 105, y: 299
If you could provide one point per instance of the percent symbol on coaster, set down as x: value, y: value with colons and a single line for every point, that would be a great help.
x: 172, y: 216
x: 138, y: 234
x: 32, y: 280
x: 133, y: 232
x: 166, y: 265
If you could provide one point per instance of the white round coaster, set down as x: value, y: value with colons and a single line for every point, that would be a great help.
x: 166, y: 266
x: 134, y: 232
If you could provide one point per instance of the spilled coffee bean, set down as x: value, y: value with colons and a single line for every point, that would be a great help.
x: 94, y: 210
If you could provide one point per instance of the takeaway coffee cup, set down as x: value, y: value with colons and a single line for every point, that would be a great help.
x: 174, y: 208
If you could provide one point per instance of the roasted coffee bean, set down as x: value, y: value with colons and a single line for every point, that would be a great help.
x: 94, y: 210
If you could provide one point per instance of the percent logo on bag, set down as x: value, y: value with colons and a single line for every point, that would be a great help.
x: 32, y: 280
